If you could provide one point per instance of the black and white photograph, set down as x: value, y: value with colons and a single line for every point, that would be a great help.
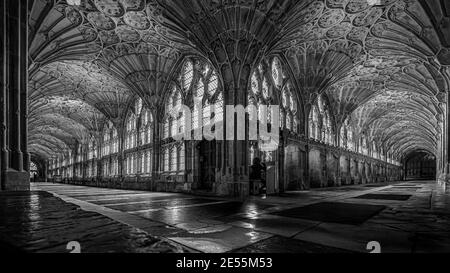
x: 224, y: 127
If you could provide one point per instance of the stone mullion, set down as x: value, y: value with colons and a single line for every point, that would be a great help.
x: 45, y: 171
x: 238, y: 148
x: 84, y: 162
x: 338, y: 169
x: 156, y: 149
x: 281, y: 161
x: 121, y: 150
x: 306, y: 128
x: 98, y: 158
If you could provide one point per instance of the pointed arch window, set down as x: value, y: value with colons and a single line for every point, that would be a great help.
x: 187, y: 75
x: 146, y: 137
x: 92, y: 148
x: 375, y: 150
x: 109, y: 140
x: 166, y: 159
x: 106, y: 142
x: 288, y: 122
x: 174, y: 103
x: 350, y: 142
x: 255, y: 83
x: 114, y: 141
x: 79, y: 156
x: 148, y: 162
x: 277, y: 72
x: 314, y: 123
x: 146, y: 127
x: 138, y: 107
x: 295, y: 125
x: 181, y: 153
x: 213, y: 84
x: 265, y: 88
x: 269, y: 86
x: 343, y: 137
x: 115, y: 167
x: 199, y: 94
x: 290, y: 108
x: 321, y: 127
x: 284, y: 99
x: 70, y: 157
x: 173, y: 159
x: 327, y: 130
x: 197, y: 80
x: 131, y: 133
x: 364, y: 147
x: 259, y: 95
x: 64, y: 162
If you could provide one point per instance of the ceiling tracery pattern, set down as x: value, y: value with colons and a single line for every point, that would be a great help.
x: 98, y: 53
x: 392, y: 119
x: 61, y: 31
x: 145, y: 68
x: 382, y: 65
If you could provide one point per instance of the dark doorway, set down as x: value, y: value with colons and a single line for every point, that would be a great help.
x: 421, y: 166
x: 207, y: 163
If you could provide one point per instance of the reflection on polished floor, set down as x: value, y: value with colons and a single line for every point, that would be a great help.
x: 325, y: 220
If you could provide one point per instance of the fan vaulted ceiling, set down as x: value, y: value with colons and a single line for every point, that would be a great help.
x: 381, y: 64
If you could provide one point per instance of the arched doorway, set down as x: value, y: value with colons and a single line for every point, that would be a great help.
x: 34, y: 172
x: 207, y: 164
x: 420, y: 165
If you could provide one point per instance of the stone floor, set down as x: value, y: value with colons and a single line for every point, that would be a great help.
x: 407, y: 217
x: 39, y: 222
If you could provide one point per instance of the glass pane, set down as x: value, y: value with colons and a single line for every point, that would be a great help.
x: 173, y: 160
x: 200, y: 92
x: 188, y: 74
x: 213, y: 83
x: 265, y: 88
x: 277, y: 73
x: 255, y: 84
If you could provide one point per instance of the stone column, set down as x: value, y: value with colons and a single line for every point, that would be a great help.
x: 156, y: 156
x: 15, y: 161
x: 3, y: 108
x: 235, y: 93
x: 45, y: 171
x: 24, y: 85
x: 444, y: 166
x: 281, y: 162
x: 234, y: 69
x: 120, y: 155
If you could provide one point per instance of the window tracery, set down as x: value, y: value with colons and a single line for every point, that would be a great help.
x: 269, y: 86
x: 138, y: 137
x: 321, y: 127
x: 197, y: 80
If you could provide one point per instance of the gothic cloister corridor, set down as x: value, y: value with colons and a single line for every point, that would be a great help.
x: 215, y: 126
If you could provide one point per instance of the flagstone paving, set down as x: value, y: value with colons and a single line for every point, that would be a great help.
x: 343, y: 219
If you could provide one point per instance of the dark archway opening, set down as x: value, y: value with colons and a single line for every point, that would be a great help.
x: 420, y: 165
x: 207, y: 163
